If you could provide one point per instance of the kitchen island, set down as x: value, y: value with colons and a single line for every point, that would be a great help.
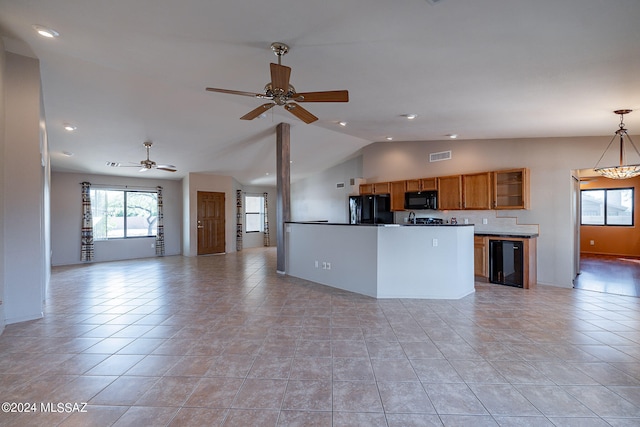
x: 384, y: 261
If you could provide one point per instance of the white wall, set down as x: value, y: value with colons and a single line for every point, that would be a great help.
x: 66, y: 219
x: 255, y: 240
x: 550, y: 161
x: 23, y: 191
x: 318, y: 198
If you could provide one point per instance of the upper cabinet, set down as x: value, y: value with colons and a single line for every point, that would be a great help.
x: 450, y: 192
x: 375, y: 188
x: 511, y: 189
x: 398, y: 189
x: 505, y: 189
x: 476, y: 191
x: 423, y: 184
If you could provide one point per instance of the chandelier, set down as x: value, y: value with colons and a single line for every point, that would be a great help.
x: 623, y: 171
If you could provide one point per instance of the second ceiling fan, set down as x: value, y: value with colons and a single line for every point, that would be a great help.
x: 280, y: 92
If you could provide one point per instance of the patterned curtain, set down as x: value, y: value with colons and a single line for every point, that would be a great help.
x: 86, y: 232
x: 160, y: 225
x: 266, y: 220
x: 238, y: 220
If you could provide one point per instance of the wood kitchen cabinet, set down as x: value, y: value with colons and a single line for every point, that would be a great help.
x: 511, y: 189
x: 375, y: 188
x: 450, y: 192
x: 476, y: 191
x: 381, y: 188
x: 423, y: 184
x: 480, y: 256
x: 398, y: 189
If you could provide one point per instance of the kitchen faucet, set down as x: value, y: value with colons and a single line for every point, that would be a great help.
x: 412, y: 217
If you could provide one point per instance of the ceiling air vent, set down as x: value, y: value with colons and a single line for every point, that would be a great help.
x: 340, y: 185
x: 437, y: 157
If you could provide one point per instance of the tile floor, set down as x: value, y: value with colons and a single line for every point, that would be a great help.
x: 224, y: 340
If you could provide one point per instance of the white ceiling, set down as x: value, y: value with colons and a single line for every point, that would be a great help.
x: 127, y: 71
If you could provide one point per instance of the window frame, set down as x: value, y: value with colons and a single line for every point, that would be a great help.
x: 125, y: 207
x: 260, y: 213
x: 605, y: 215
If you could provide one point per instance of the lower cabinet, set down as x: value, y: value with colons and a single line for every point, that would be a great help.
x: 508, y: 261
x: 480, y: 256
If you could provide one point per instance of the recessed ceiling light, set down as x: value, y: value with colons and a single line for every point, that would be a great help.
x: 46, y: 32
x: 69, y: 127
x: 342, y: 123
x: 389, y: 138
x: 410, y: 116
x: 453, y: 135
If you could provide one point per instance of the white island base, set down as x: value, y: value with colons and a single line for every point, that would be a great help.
x: 431, y: 261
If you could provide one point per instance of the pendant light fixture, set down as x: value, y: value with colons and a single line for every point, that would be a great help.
x: 623, y: 171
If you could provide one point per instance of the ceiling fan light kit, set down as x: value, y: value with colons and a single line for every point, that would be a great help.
x: 623, y: 170
x: 281, y: 92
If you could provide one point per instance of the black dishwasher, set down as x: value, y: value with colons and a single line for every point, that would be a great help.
x: 505, y: 262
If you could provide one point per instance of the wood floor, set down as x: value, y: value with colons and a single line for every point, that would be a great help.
x: 609, y: 274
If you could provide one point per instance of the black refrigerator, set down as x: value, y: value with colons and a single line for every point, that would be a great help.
x: 370, y: 209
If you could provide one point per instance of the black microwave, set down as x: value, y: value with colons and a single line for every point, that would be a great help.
x: 421, y: 200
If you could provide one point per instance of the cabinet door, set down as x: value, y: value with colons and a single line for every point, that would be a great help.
x: 413, y: 185
x: 480, y: 256
x: 450, y: 192
x: 397, y: 195
x: 428, y: 184
x: 381, y: 188
x: 511, y: 189
x: 476, y: 191
x: 366, y: 188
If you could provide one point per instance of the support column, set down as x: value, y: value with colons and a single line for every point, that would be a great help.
x: 283, y: 198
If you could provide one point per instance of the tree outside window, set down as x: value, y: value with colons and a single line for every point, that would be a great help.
x: 121, y: 214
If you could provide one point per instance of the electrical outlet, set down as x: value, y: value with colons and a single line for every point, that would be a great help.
x: 316, y: 263
x: 153, y: 246
x: 328, y: 266
x: 484, y: 221
x: 324, y: 265
x: 592, y: 242
x: 435, y: 242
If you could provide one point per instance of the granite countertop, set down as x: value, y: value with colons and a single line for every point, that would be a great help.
x: 513, y: 234
x: 379, y: 225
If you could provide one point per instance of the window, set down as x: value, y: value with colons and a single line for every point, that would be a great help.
x: 254, y: 213
x: 121, y: 214
x: 613, y: 206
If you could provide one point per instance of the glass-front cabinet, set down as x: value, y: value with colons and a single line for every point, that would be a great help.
x: 511, y: 189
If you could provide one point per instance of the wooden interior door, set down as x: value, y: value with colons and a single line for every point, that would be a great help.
x: 211, y: 238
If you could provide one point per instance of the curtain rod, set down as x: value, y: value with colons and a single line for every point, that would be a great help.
x: 132, y: 187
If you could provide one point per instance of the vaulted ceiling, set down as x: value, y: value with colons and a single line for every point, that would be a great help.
x: 125, y: 71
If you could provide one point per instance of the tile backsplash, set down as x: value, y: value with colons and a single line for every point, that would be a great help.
x: 494, y: 223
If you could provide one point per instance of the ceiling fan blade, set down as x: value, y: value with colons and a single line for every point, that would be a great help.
x: 168, y: 168
x: 300, y: 112
x: 143, y: 169
x: 257, y: 111
x: 280, y: 77
x: 326, y: 96
x: 237, y: 92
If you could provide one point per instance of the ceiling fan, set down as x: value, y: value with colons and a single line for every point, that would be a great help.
x: 146, y: 164
x: 280, y: 92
